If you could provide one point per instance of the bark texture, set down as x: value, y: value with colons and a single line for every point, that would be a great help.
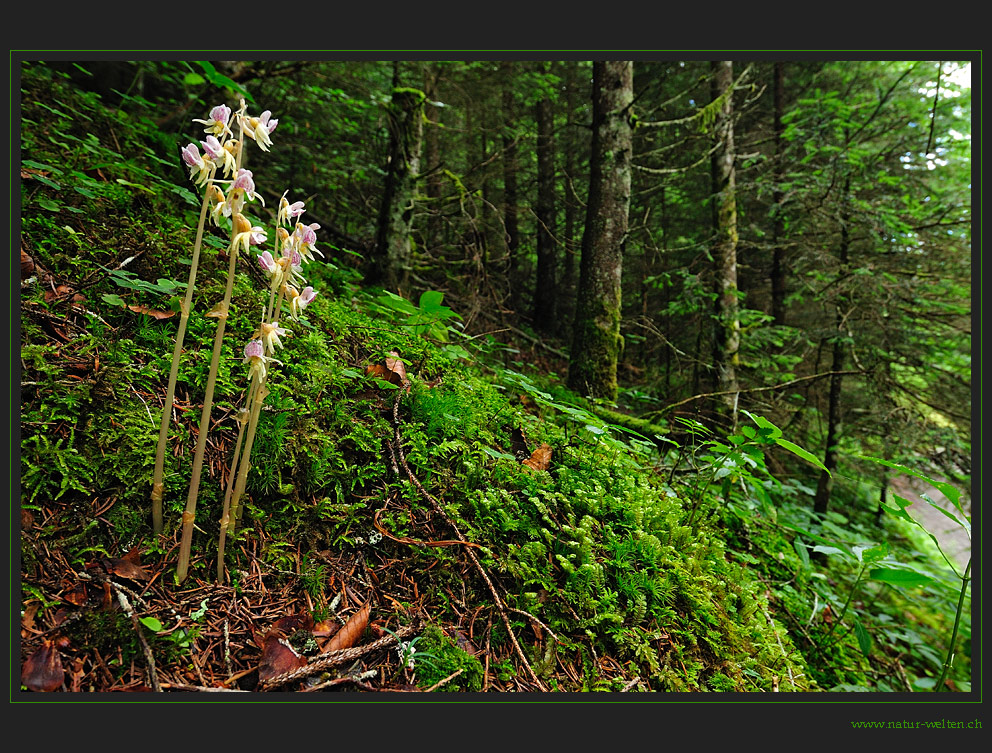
x: 825, y: 483
x: 545, y: 288
x: 727, y: 335
x: 596, y: 342
x: 510, y: 192
x: 778, y: 225
x: 391, y: 262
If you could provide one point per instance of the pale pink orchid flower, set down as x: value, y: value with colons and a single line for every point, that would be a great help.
x: 200, y: 169
x: 270, y: 333
x: 268, y: 263
x: 297, y: 300
x: 259, y: 129
x: 289, y: 212
x: 220, y: 116
x: 306, y: 238
x: 255, y: 354
x: 245, y: 181
x: 244, y: 233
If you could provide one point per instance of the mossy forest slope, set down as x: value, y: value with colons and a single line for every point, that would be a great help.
x: 428, y: 508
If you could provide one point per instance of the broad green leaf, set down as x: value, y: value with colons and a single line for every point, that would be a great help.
x: 869, y: 553
x: 131, y: 184
x: 904, y: 578
x: 498, y: 455
x: 800, y: 547
x: 810, y: 534
x: 900, y: 511
x: 963, y: 523
x: 219, y: 79
x: 948, y: 490
x: 829, y: 550
x: 40, y: 166
x: 151, y: 623
x: 431, y: 299
x: 863, y: 636
x: 771, y: 429
x: 792, y: 447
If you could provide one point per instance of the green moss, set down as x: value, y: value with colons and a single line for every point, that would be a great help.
x: 445, y: 658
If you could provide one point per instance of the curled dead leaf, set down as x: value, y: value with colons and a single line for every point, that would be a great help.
x: 464, y: 643
x: 152, y: 312
x: 540, y: 459
x: 326, y: 629
x: 27, y: 265
x: 291, y: 623
x: 391, y: 369
x: 76, y: 595
x: 28, y: 619
x: 127, y: 566
x: 278, y: 657
x: 348, y: 635
x: 42, y: 672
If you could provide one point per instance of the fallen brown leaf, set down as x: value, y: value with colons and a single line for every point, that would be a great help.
x: 326, y: 629
x: 348, y: 635
x: 28, y: 619
x: 391, y: 369
x: 42, y: 671
x: 278, y: 657
x: 464, y: 643
x: 540, y: 459
x: 291, y: 623
x: 76, y: 595
x: 396, y: 366
x: 27, y: 265
x: 127, y: 566
x: 152, y: 312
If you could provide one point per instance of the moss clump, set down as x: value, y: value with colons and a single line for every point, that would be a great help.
x: 446, y: 659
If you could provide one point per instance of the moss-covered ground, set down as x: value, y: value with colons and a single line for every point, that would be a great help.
x: 511, y: 536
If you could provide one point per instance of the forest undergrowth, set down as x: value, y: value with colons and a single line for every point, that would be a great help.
x: 426, y: 510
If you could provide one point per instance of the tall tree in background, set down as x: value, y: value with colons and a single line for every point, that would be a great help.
x: 840, y: 336
x: 510, y: 191
x: 596, y: 343
x: 545, y: 289
x: 432, y: 156
x: 391, y: 259
x: 778, y: 196
x: 727, y: 338
x: 566, y: 297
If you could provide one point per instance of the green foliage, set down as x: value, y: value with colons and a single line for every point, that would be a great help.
x: 701, y: 568
x: 441, y: 658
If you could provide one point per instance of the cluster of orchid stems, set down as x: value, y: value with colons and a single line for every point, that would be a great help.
x: 224, y: 199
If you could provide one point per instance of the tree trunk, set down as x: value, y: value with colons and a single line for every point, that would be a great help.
x: 778, y: 224
x: 825, y: 483
x: 727, y: 336
x: 510, y: 197
x: 391, y: 261
x: 545, y: 288
x: 566, y: 298
x: 596, y: 343
x: 432, y: 160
